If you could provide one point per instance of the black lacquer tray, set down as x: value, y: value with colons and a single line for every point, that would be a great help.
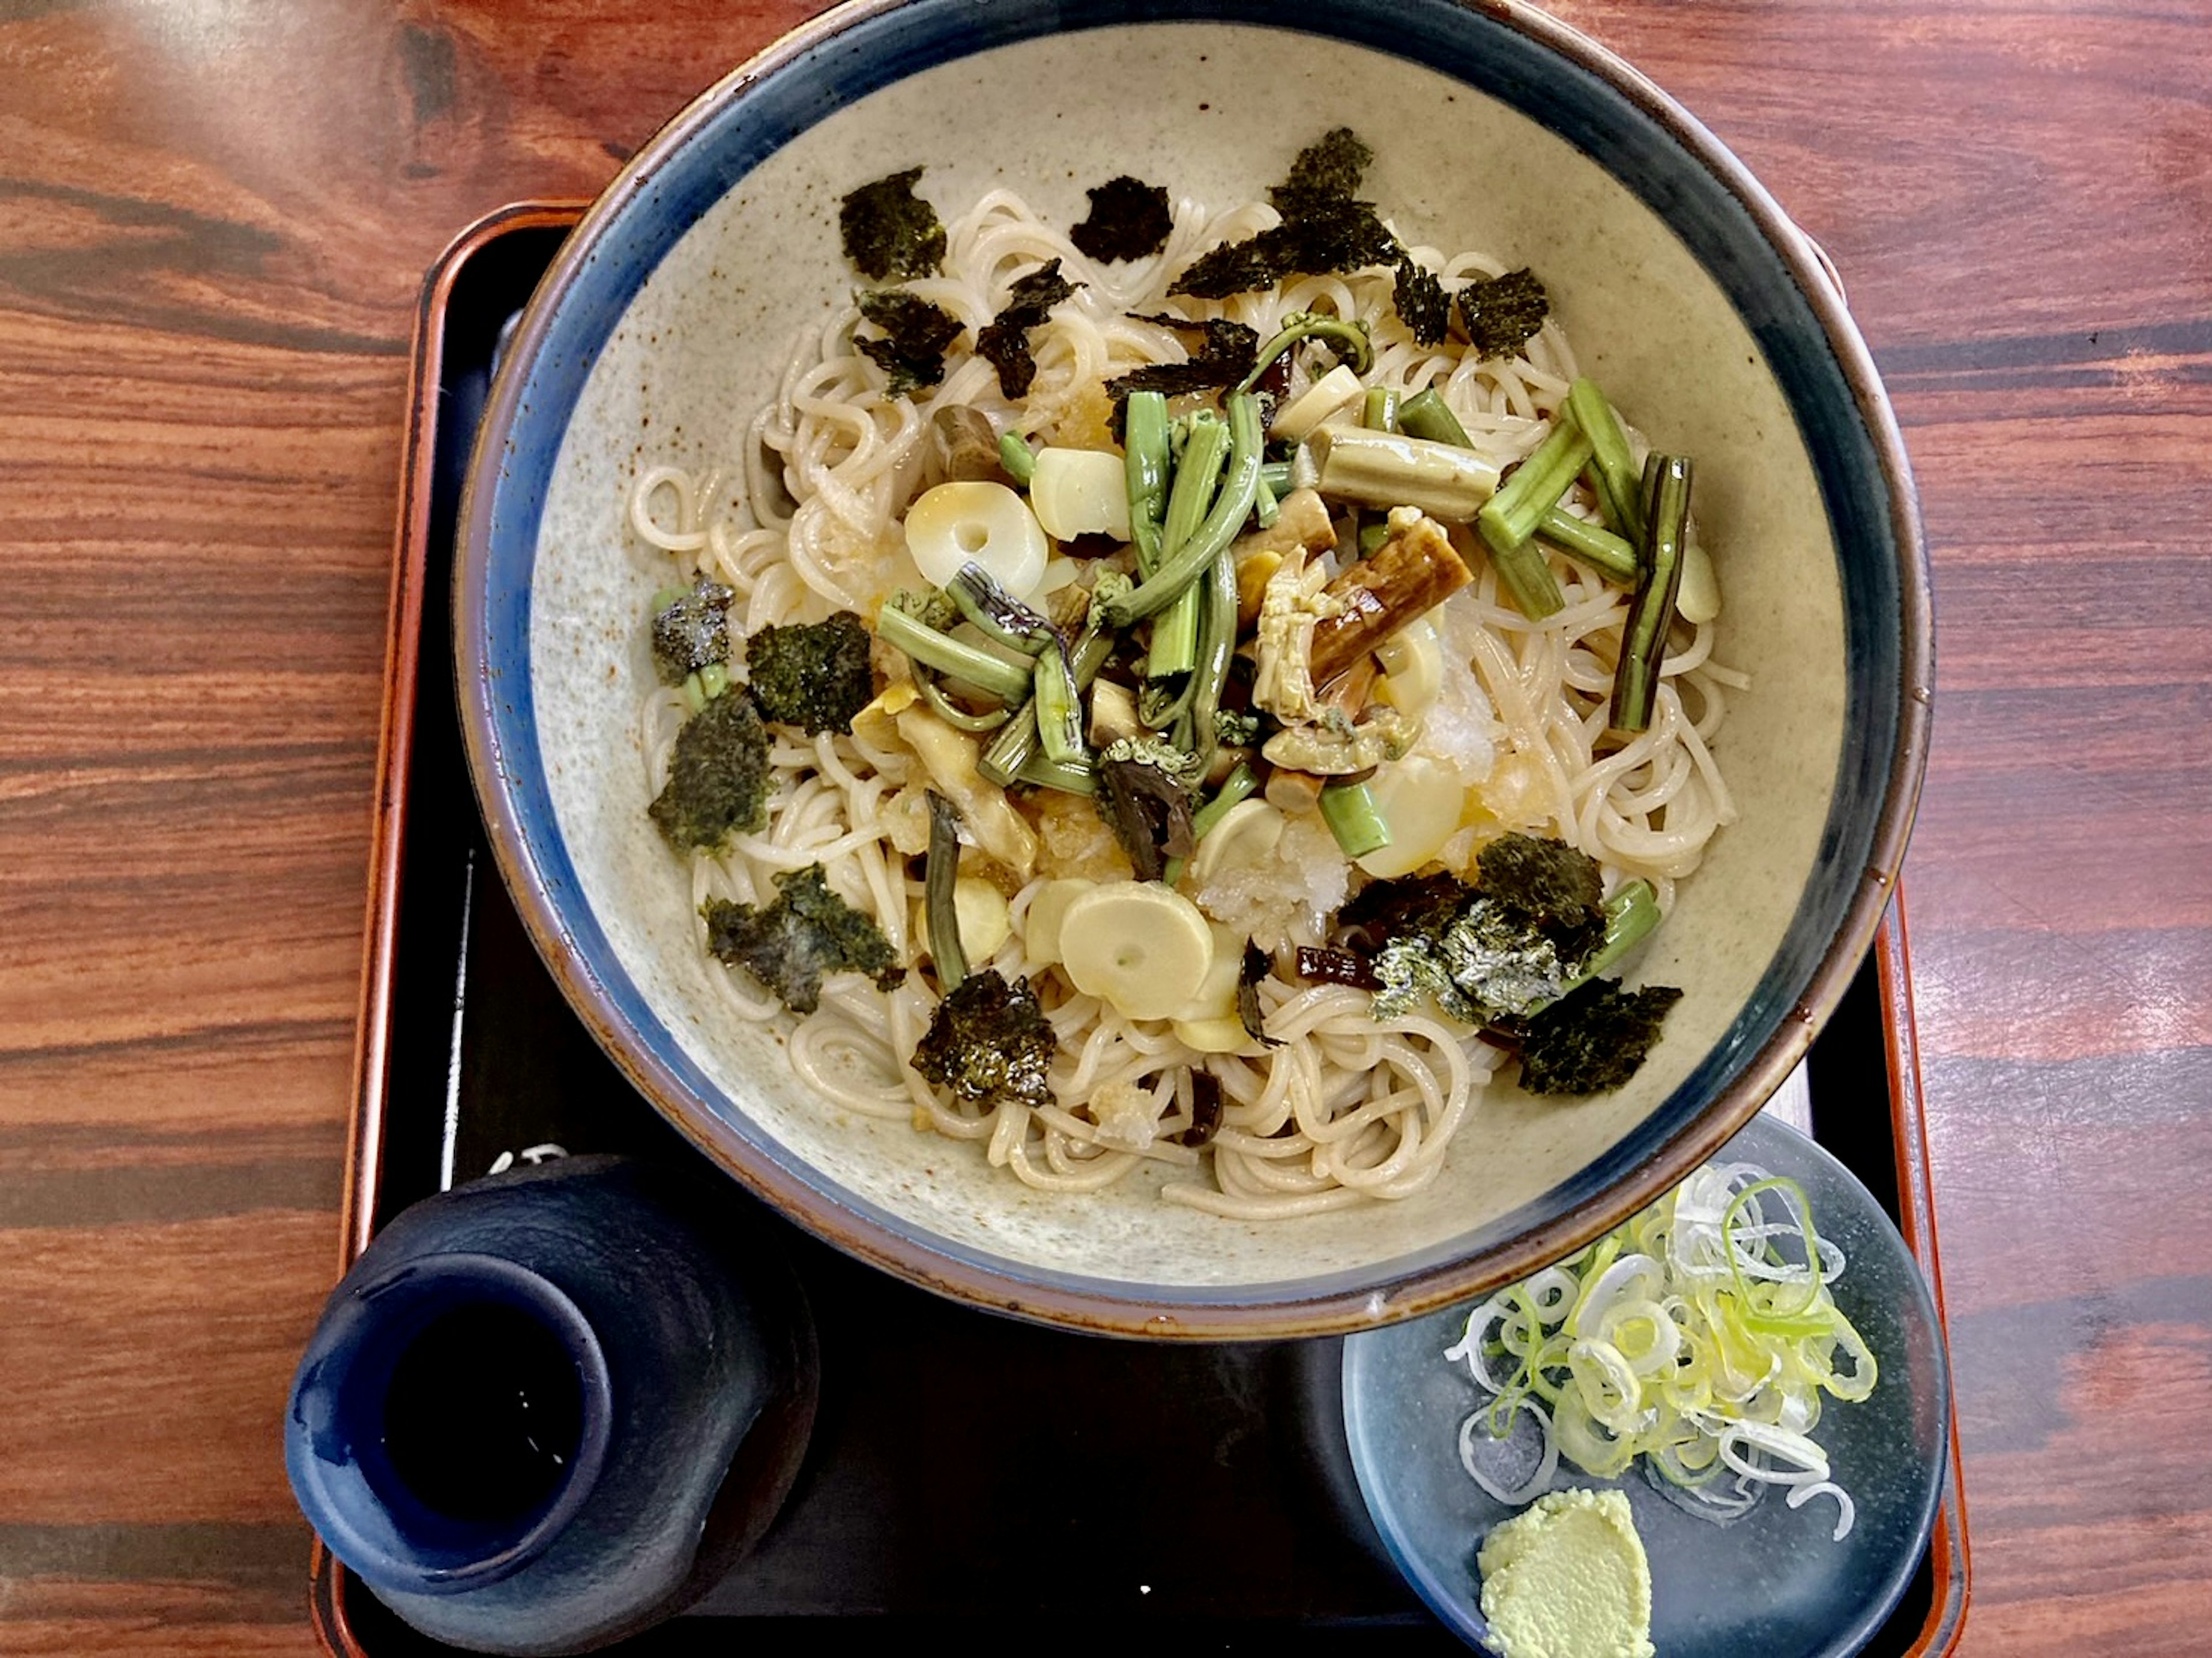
x: 968, y: 1476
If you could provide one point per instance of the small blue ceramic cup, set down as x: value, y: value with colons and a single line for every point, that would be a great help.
x: 552, y: 1406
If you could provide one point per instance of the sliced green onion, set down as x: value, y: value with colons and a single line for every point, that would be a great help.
x: 1689, y: 1337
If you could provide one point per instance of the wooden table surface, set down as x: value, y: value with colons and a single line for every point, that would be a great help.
x: 214, y: 220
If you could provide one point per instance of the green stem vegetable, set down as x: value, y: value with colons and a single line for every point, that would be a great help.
x: 1592, y: 544
x: 940, y: 910
x: 1348, y: 340
x: 1643, y: 640
x: 1231, y: 508
x: 1632, y: 914
x: 1426, y: 414
x: 1069, y: 778
x: 945, y: 709
x: 996, y: 613
x: 1016, y: 745
x: 1145, y: 458
x: 951, y: 657
x: 1058, y: 706
x: 1016, y: 458
x: 1613, y: 468
x: 1355, y: 818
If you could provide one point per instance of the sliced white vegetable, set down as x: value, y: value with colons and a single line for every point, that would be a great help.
x: 1421, y: 799
x: 1697, y: 597
x: 1080, y: 492
x: 982, y: 521
x: 1412, y: 666
x: 1214, y: 1035
x: 984, y: 919
x: 1332, y: 392
x: 1041, y: 921
x: 1137, y: 945
x: 1215, y: 998
x: 1246, y: 835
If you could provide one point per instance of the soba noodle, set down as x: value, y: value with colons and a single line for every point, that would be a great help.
x: 1348, y: 1108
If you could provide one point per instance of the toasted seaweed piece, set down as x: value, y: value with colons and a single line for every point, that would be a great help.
x: 916, y: 334
x: 1491, y: 966
x: 816, y: 676
x: 1558, y: 887
x: 1224, y: 357
x: 1420, y: 301
x: 1329, y: 168
x: 1594, y: 1038
x: 717, y: 776
x: 804, y: 933
x: 1501, y: 312
x: 1129, y: 220
x: 889, y: 233
x: 1412, y: 906
x: 692, y: 631
x: 1004, y: 340
x: 989, y: 1041
x: 1325, y: 228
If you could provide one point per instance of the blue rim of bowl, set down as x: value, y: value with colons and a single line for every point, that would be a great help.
x: 1527, y: 60
x: 1466, y: 1620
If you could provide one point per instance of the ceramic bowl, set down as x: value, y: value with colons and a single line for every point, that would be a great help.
x: 667, y: 319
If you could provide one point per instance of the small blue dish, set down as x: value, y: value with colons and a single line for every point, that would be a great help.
x: 1775, y: 1582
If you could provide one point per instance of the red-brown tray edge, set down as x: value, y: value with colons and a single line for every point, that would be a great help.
x: 364, y: 1149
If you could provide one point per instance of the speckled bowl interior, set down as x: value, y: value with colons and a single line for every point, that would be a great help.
x: 665, y: 322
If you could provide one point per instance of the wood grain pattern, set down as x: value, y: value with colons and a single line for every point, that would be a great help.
x: 214, y: 220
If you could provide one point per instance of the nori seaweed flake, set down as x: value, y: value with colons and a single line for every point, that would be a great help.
x: 1223, y: 358
x: 1502, y: 314
x: 916, y: 334
x: 891, y: 233
x: 1129, y: 220
x: 1325, y: 228
x: 1593, y: 1038
x: 1004, y: 340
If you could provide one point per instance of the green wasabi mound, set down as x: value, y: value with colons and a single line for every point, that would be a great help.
x: 1567, y: 1578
